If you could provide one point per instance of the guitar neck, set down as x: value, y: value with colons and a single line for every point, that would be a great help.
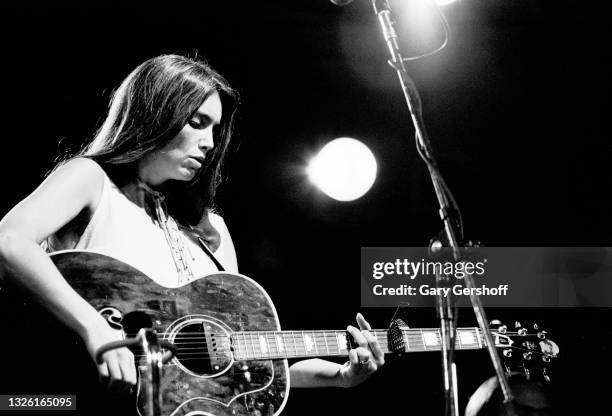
x: 253, y: 345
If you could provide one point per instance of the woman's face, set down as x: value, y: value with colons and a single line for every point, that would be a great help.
x: 184, y: 155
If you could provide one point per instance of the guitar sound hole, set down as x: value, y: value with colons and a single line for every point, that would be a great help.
x: 203, y: 348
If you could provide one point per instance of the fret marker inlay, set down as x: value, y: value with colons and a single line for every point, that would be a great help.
x: 467, y: 337
x: 309, y: 343
x: 430, y: 338
x: 263, y: 344
x: 341, y: 341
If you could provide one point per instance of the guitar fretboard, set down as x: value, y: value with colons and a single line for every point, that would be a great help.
x: 254, y: 345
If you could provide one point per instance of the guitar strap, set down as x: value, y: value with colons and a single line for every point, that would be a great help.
x: 211, y: 255
x: 173, y: 237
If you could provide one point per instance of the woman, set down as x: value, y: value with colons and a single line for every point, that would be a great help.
x: 142, y: 191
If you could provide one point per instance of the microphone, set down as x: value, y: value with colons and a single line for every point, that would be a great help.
x: 341, y: 3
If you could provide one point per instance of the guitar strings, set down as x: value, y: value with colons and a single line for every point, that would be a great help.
x: 320, y: 342
x: 272, y: 332
x: 202, y: 355
x: 295, y: 351
x: 295, y: 347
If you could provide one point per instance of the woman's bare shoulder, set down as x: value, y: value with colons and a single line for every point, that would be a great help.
x: 81, y: 172
x: 82, y: 165
x: 74, y: 186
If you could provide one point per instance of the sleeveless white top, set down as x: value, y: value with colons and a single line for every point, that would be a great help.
x: 123, y: 230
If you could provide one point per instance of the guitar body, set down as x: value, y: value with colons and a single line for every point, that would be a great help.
x: 203, y: 379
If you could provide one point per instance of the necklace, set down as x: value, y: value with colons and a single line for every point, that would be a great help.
x: 174, y: 238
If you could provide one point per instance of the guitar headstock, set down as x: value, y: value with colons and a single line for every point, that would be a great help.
x: 525, y: 348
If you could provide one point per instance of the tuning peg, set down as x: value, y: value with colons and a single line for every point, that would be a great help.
x: 522, y: 332
x: 542, y: 334
x: 507, y: 353
x: 502, y: 329
x: 546, y: 358
x: 495, y: 322
x: 549, y: 348
x: 517, y: 325
x: 527, y: 356
x: 536, y: 327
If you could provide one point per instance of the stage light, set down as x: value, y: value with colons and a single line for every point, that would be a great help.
x: 344, y: 169
x: 444, y: 2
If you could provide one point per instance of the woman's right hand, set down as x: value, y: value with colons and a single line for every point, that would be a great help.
x: 118, y: 371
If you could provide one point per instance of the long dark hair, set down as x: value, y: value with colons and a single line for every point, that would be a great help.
x: 149, y: 109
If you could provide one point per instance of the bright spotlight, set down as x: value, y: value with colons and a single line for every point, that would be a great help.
x: 444, y: 2
x: 344, y: 169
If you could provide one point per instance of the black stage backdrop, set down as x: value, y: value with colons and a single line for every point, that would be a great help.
x: 515, y: 106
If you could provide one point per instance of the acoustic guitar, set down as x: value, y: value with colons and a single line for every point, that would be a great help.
x: 231, y: 353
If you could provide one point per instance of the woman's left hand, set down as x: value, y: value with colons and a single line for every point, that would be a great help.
x: 363, y: 360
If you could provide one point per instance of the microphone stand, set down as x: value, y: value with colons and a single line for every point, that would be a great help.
x: 448, y: 216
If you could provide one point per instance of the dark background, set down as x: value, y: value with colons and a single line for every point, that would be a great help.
x: 516, y: 107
